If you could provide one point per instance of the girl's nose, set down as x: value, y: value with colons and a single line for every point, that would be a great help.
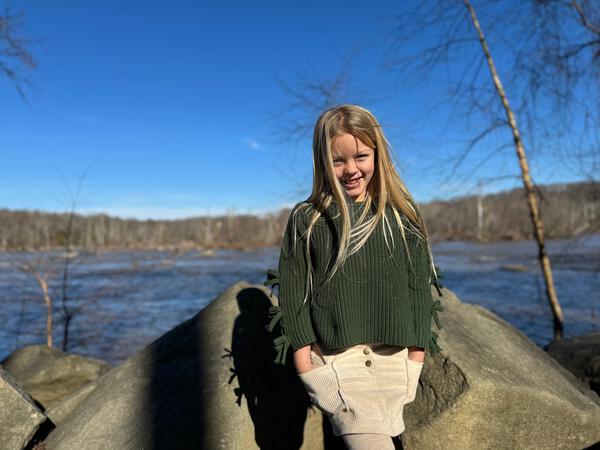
x: 351, y: 167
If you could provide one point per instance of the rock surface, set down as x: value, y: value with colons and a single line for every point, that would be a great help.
x: 48, y: 374
x: 208, y: 383
x: 20, y: 418
x: 493, y: 388
x: 60, y: 410
x: 581, y: 356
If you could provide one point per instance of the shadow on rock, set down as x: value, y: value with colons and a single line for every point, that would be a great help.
x: 208, y: 383
x: 276, y: 401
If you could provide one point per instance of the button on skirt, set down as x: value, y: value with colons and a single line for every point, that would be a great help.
x: 363, y: 388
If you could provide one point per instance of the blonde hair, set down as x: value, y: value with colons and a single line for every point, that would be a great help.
x: 385, y: 188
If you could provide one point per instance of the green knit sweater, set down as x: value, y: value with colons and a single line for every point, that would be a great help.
x: 374, y: 297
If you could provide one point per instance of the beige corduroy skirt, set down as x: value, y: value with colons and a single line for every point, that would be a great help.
x: 363, y: 388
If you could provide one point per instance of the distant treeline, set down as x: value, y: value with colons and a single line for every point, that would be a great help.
x: 567, y: 210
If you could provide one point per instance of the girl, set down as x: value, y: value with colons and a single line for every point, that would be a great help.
x: 354, y: 278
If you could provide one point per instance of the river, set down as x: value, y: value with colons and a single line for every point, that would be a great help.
x: 126, y: 299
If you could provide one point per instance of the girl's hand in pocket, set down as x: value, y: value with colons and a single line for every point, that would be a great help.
x: 305, y: 370
x: 416, y: 354
x: 302, y: 360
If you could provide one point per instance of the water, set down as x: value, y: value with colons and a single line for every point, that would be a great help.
x: 129, y: 298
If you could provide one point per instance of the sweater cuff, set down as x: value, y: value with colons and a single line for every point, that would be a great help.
x: 302, y: 339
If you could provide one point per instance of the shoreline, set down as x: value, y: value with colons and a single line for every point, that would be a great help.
x: 186, y: 247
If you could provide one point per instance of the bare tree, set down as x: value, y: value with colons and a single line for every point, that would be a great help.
x: 68, y: 255
x: 538, y: 225
x: 549, y: 52
x: 311, y: 93
x: 551, y: 63
x: 42, y: 268
x: 16, y: 60
x: 559, y: 63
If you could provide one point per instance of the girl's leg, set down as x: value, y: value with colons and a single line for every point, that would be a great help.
x: 368, y: 441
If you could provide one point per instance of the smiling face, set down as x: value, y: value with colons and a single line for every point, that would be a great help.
x: 354, y: 165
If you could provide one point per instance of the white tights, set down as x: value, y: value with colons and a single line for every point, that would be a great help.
x: 368, y: 441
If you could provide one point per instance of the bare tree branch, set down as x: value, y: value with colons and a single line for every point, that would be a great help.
x: 583, y: 17
x: 16, y: 60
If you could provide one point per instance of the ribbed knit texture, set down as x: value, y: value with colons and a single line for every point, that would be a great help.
x: 374, y: 297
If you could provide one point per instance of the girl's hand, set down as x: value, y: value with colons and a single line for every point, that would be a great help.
x: 302, y: 359
x: 305, y: 369
x: 416, y: 354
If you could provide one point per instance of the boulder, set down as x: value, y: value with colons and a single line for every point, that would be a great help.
x: 61, y: 409
x: 492, y: 387
x: 20, y: 418
x: 209, y: 383
x: 48, y: 374
x: 581, y: 356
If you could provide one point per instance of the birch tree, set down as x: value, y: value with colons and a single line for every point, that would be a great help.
x: 532, y: 201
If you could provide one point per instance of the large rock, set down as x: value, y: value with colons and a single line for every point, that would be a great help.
x: 20, y: 418
x: 493, y: 388
x: 60, y: 410
x: 208, y: 383
x: 581, y: 356
x: 48, y: 374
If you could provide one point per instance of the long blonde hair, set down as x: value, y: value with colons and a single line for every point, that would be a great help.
x: 385, y: 188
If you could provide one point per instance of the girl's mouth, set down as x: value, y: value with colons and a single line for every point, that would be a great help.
x: 352, y: 183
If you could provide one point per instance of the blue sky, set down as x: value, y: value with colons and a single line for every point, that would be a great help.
x: 166, y: 105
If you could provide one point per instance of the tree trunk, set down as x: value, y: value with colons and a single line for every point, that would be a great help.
x: 65, y: 278
x: 538, y: 226
x: 65, y: 343
x: 43, y: 282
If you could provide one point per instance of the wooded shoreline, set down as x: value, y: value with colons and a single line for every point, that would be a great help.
x: 567, y: 210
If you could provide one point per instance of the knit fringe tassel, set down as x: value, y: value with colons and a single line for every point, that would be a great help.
x: 436, y: 306
x: 281, y: 343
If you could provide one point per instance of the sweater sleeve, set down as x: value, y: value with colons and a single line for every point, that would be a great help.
x: 421, y: 279
x: 292, y: 315
x: 296, y: 321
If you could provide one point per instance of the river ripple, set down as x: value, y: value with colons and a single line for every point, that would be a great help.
x: 130, y: 298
